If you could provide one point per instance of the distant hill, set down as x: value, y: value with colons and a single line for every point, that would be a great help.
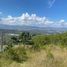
x: 33, y: 29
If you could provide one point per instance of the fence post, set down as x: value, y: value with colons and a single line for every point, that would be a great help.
x: 2, y: 35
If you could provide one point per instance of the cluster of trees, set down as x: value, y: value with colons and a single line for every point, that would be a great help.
x: 24, y: 37
x: 39, y: 40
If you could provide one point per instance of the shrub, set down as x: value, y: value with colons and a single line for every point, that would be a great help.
x: 17, y: 54
x: 14, y: 39
x: 40, y: 41
x: 50, y: 55
x: 24, y: 37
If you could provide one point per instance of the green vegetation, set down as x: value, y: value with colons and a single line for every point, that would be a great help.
x: 21, y: 48
x: 40, y: 40
x: 17, y: 54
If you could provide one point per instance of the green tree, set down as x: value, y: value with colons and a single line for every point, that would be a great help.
x: 25, y: 37
x: 14, y: 40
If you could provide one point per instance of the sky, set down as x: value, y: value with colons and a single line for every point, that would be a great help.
x: 34, y: 12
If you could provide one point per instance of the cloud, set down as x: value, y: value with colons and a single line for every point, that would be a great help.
x: 31, y: 20
x: 51, y: 2
x: 0, y: 12
x: 25, y: 19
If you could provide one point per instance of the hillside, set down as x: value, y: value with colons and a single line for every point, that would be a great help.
x: 27, y: 50
x: 52, y: 56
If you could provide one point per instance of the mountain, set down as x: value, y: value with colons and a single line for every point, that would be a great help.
x: 33, y: 29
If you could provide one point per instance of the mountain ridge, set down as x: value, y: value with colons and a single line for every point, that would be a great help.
x: 33, y: 28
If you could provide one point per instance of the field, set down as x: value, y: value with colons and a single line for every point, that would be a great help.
x: 28, y: 50
x: 50, y: 56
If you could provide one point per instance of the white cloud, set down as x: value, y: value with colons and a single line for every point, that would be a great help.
x: 0, y: 12
x: 62, y: 20
x: 51, y: 2
x: 31, y: 20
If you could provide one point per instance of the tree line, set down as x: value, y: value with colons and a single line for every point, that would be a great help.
x: 39, y: 40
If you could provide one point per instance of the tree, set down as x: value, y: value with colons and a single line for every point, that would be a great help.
x: 14, y: 39
x: 25, y: 37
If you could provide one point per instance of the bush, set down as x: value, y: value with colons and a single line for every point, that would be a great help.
x: 24, y: 37
x: 14, y: 40
x: 17, y: 54
x: 40, y: 41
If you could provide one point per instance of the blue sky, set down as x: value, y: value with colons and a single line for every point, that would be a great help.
x: 54, y: 10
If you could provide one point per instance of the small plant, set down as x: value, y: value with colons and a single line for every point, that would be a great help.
x: 8, y: 47
x: 49, y: 54
x: 17, y: 54
x: 36, y: 47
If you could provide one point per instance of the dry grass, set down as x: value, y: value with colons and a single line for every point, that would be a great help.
x: 52, y: 56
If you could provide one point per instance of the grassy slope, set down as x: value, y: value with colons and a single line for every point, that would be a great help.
x: 52, y: 56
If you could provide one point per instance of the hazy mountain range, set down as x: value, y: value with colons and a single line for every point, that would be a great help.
x: 32, y: 29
